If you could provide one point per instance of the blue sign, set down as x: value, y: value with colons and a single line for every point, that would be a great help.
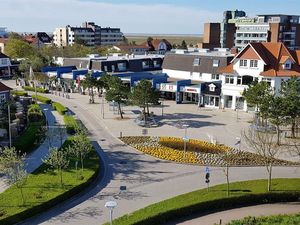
x: 206, y: 169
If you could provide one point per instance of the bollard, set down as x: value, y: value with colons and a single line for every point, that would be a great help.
x: 120, y: 134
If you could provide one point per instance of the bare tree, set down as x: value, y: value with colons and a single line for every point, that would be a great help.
x: 264, y: 144
x: 13, y: 165
x: 59, y: 160
x: 294, y: 148
x: 227, y: 159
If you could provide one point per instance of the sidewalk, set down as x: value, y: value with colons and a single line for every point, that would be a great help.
x: 235, y: 214
x: 35, y: 158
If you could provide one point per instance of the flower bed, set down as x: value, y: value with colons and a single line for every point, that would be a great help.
x: 197, y: 152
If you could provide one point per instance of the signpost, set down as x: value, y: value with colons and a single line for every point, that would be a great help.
x: 207, y: 176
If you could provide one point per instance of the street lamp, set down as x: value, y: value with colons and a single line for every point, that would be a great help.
x: 46, y: 110
x: 111, y: 205
x: 238, y: 142
x: 9, y: 128
x: 185, y: 138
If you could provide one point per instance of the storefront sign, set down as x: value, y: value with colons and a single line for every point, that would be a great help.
x: 168, y: 87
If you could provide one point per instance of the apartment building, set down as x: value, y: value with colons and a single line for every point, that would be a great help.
x: 7, y: 69
x: 265, y: 61
x: 237, y: 30
x: 88, y: 34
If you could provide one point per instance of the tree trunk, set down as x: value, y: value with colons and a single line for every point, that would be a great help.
x: 293, y: 129
x: 269, y: 177
x: 148, y: 113
x: 144, y: 113
x: 278, y: 134
x: 21, y: 190
x: 121, y: 113
x: 227, y: 179
x: 81, y: 158
x: 61, y: 177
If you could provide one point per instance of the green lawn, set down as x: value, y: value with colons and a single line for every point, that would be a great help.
x: 242, y: 193
x: 43, y: 189
x: 269, y: 220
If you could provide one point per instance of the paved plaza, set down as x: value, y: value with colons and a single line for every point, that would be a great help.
x: 147, y: 179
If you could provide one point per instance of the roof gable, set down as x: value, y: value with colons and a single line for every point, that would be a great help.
x: 4, y: 88
x: 255, y: 52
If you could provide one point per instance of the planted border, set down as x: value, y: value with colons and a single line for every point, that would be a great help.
x: 44, y: 206
x: 38, y: 89
x: 62, y: 110
x: 202, y: 202
x: 42, y: 99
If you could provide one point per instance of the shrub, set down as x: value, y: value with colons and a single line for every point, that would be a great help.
x: 30, y: 138
x: 35, y: 113
x: 40, y: 90
x: 71, y: 124
x: 42, y: 99
x: 59, y: 108
x: 19, y: 93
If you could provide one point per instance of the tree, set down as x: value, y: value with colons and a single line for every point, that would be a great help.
x: 227, y: 157
x: 290, y: 91
x: 80, y: 148
x: 259, y: 95
x: 90, y: 82
x: 16, y: 48
x: 149, y: 39
x: 276, y: 113
x: 294, y: 148
x: 13, y: 166
x: 58, y: 159
x: 117, y: 92
x: 183, y: 45
x: 144, y: 94
x: 79, y: 41
x: 265, y: 146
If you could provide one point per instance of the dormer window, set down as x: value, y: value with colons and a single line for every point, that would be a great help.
x: 287, y: 65
x: 196, y: 62
x: 212, y: 87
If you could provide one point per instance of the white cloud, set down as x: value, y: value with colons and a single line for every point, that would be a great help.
x: 38, y: 15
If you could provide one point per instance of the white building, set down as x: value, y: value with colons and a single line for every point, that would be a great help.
x: 89, y: 34
x: 270, y: 62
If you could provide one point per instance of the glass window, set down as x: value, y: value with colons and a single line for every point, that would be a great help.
x: 216, y: 62
x: 196, y: 62
x: 239, y: 80
x: 2, y: 98
x: 215, y: 76
x: 229, y: 79
x: 243, y: 63
x: 253, y: 63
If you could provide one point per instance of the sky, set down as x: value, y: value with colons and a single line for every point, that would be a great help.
x: 132, y: 16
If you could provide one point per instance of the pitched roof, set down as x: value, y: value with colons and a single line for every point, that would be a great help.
x: 273, y: 55
x: 3, y: 55
x: 4, y: 88
x: 154, y: 44
x: 226, y: 69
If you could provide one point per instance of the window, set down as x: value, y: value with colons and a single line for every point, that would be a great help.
x: 216, y: 62
x: 229, y: 79
x: 253, y: 63
x: 2, y: 99
x: 3, y: 61
x: 239, y: 80
x: 243, y: 63
x: 105, y: 68
x: 196, y: 62
x: 215, y: 76
x: 287, y: 65
x: 122, y: 66
x: 268, y: 80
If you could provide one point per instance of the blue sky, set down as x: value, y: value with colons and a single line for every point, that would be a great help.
x: 132, y: 16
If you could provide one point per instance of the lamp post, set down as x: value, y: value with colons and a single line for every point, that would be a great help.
x: 9, y: 128
x: 162, y: 107
x: 46, y: 110
x: 111, y: 205
x: 238, y: 142
x: 185, y: 138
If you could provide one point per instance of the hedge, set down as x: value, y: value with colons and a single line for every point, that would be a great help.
x: 71, y: 124
x: 201, y: 202
x: 19, y: 93
x: 42, y: 99
x: 59, y: 108
x: 40, y: 90
x: 30, y: 138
